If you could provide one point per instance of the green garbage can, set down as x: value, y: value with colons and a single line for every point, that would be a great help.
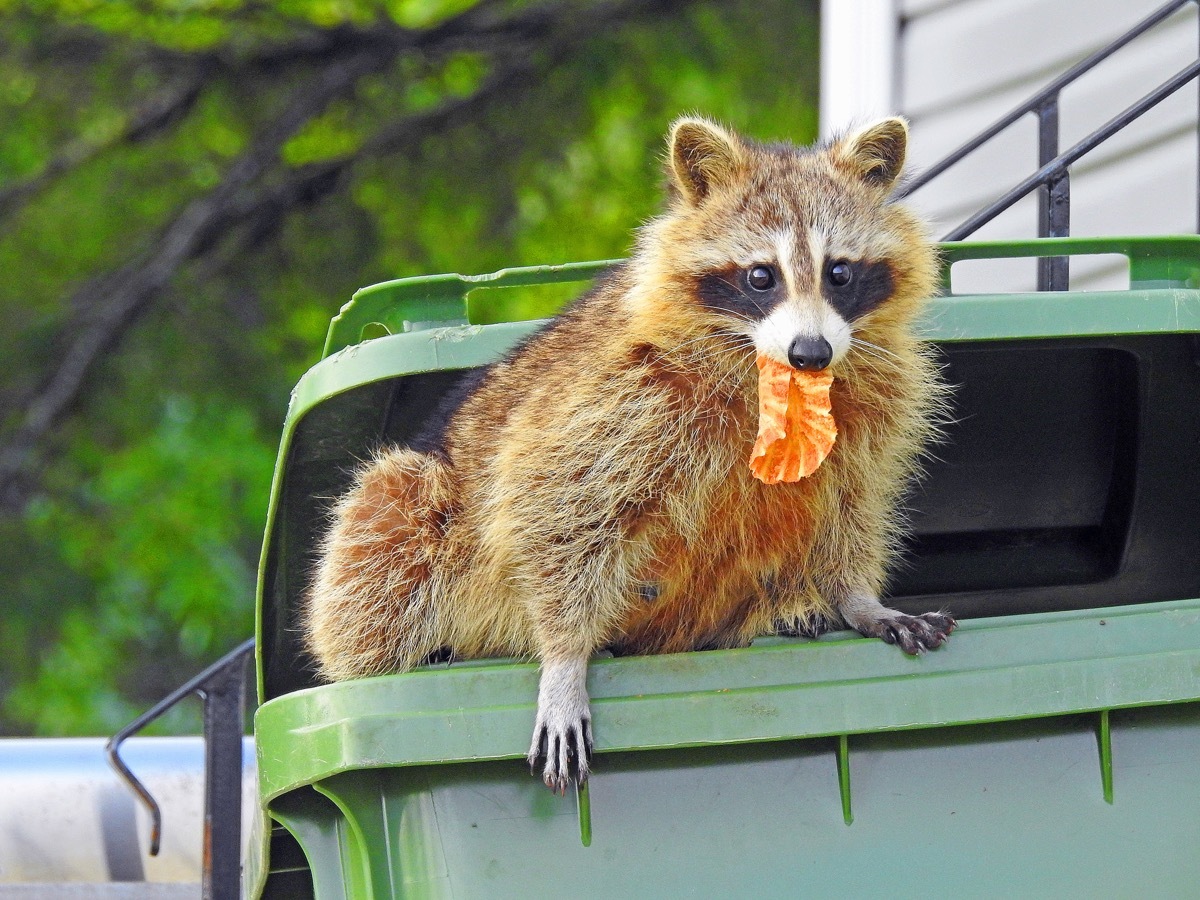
x: 1050, y: 748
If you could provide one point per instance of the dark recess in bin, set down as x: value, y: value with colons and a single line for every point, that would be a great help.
x: 1035, y: 486
x: 1067, y: 480
x: 291, y: 878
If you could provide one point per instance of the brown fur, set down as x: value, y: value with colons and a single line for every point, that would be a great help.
x: 611, y: 451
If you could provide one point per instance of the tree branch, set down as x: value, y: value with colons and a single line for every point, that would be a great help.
x: 114, y: 300
x: 244, y: 196
x: 472, y: 29
x: 157, y: 113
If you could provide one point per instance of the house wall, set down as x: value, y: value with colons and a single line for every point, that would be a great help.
x: 961, y: 64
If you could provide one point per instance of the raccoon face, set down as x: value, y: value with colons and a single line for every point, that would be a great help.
x: 791, y: 249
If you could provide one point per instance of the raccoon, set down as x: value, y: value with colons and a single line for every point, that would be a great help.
x: 591, y: 490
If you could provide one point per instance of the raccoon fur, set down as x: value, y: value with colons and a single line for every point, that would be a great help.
x: 592, y: 489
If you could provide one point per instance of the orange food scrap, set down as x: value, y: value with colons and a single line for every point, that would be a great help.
x: 796, y: 430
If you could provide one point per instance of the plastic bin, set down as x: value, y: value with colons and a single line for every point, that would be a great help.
x: 1060, y: 522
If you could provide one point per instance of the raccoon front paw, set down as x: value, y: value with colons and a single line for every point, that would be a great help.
x: 563, y: 752
x: 562, y: 732
x: 915, y: 634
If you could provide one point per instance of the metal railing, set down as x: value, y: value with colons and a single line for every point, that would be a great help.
x: 1053, y: 178
x: 222, y: 687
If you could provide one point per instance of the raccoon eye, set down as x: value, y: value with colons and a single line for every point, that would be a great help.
x: 839, y: 273
x: 761, y: 278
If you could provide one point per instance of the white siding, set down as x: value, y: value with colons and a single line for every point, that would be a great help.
x: 964, y: 63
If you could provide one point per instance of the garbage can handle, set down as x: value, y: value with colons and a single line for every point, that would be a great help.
x: 1154, y: 262
x: 407, y: 304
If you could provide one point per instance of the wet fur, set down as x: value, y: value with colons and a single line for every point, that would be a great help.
x: 593, y: 489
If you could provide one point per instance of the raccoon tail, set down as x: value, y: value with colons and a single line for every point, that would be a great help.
x: 371, y: 608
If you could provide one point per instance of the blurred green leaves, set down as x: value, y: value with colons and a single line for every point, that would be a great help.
x: 481, y: 135
x: 161, y: 530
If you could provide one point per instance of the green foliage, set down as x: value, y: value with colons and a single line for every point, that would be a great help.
x: 133, y: 562
x: 163, y: 529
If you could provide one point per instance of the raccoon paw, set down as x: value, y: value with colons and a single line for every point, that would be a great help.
x: 562, y: 734
x: 916, y: 634
x: 563, y: 752
x: 811, y: 626
x: 913, y: 634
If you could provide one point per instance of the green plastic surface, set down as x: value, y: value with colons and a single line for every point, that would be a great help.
x: 1003, y: 810
x: 777, y: 690
x: 412, y: 304
x: 722, y: 772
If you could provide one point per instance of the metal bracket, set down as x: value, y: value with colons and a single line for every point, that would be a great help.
x: 222, y: 687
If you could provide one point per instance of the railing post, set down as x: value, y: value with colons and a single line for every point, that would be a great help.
x: 224, y: 716
x: 222, y: 686
x: 1054, y: 201
x: 1056, y: 169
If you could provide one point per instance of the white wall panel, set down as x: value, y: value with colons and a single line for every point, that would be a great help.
x: 964, y: 63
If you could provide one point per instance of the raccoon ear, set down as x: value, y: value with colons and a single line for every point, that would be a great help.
x: 876, y: 152
x: 703, y: 156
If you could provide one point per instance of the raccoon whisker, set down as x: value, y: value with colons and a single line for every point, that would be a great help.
x: 734, y: 313
x: 867, y: 347
x: 742, y: 294
x: 872, y: 369
x: 865, y: 355
x: 718, y: 337
x: 861, y: 343
x: 876, y: 364
x: 869, y: 358
x: 722, y: 339
x: 742, y: 317
x: 736, y: 339
x: 734, y: 350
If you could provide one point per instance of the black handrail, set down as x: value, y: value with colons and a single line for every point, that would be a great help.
x: 1053, y: 176
x: 222, y: 686
x: 1055, y: 171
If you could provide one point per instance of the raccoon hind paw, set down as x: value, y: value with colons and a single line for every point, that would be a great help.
x: 913, y: 634
x: 811, y: 626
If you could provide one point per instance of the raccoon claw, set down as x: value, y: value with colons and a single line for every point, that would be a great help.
x: 811, y: 627
x: 563, y: 754
x: 562, y: 731
x: 916, y: 634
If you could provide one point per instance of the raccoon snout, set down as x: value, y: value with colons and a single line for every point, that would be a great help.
x: 811, y: 354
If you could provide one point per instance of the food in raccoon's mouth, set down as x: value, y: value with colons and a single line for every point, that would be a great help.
x: 796, y: 430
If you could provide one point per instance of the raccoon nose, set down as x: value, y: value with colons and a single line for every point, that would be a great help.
x: 810, y: 353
